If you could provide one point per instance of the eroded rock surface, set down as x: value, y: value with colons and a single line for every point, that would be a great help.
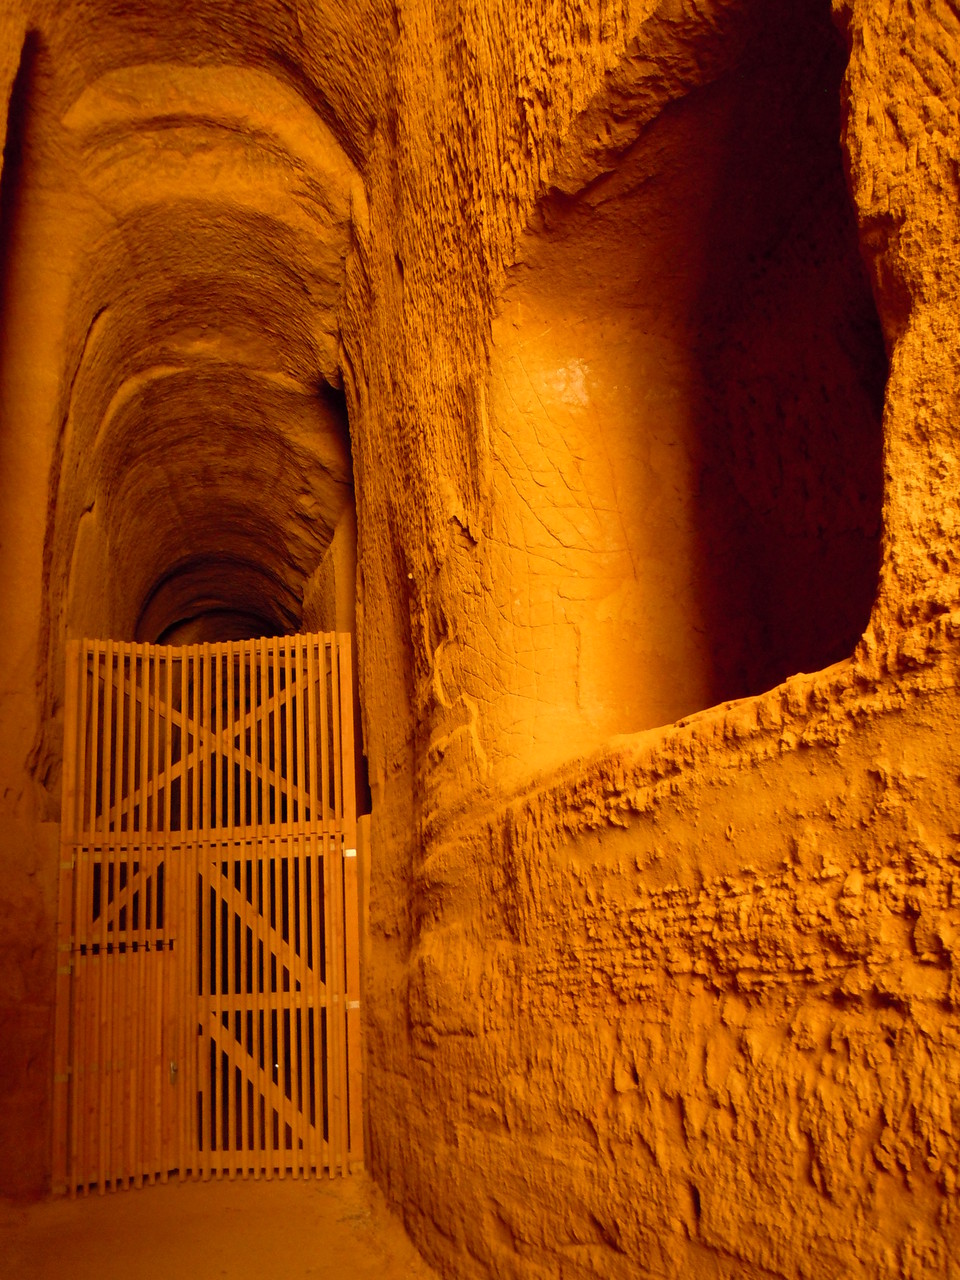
x: 625, y: 339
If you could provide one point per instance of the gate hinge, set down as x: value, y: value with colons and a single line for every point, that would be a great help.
x: 65, y: 969
x: 62, y: 1077
x: 349, y: 853
x: 353, y: 1004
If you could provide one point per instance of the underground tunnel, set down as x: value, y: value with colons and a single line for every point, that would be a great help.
x: 591, y: 374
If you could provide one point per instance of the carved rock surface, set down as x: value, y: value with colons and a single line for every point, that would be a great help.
x: 625, y: 338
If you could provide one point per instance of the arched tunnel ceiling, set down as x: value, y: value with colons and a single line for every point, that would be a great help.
x: 206, y: 233
x: 304, y: 48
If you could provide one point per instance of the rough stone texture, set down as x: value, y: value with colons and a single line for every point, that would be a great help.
x: 646, y: 323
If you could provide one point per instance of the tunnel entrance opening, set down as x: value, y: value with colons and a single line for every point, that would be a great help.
x: 208, y: 989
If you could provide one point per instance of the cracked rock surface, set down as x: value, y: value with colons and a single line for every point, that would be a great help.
x: 611, y: 351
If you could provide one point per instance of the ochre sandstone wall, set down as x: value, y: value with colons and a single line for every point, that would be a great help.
x: 645, y: 321
x: 173, y: 443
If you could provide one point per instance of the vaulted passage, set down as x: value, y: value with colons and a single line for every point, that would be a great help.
x: 173, y: 246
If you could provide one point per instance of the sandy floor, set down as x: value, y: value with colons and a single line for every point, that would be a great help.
x: 206, y: 1231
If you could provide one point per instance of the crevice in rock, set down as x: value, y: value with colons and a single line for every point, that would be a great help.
x: 18, y: 119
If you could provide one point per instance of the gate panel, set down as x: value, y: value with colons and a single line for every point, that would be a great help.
x: 208, y: 974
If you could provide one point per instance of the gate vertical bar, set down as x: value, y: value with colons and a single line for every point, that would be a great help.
x: 230, y: 948
x: 164, y: 993
x: 118, y: 1003
x: 351, y: 906
x: 103, y: 1152
x: 88, y: 1055
x: 336, y: 915
x: 151, y: 1145
x: 205, y: 1002
x: 131, y: 961
x: 277, y: 869
x: 307, y: 996
x: 181, y: 953
x: 329, y: 849
x: 248, y: 901
x: 314, y: 652
x: 291, y: 880
x: 258, y: 1119
x: 64, y: 1087
x: 243, y: 883
x: 146, y: 854
x: 216, y: 917
x: 266, y: 1006
x: 80, y: 962
x: 190, y: 934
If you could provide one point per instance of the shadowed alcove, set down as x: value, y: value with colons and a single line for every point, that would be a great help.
x: 687, y: 388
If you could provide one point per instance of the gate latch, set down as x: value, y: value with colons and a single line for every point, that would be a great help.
x: 173, y: 1073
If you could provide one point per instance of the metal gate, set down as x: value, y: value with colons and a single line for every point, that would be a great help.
x: 208, y: 976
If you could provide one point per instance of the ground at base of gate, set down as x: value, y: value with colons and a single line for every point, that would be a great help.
x: 243, y: 1230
